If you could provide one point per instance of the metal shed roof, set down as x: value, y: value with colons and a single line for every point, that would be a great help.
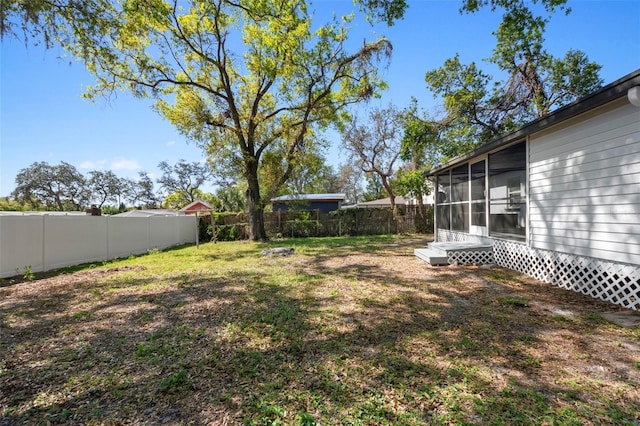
x: 310, y: 197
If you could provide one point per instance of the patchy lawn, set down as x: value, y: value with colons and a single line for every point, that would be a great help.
x: 353, y: 331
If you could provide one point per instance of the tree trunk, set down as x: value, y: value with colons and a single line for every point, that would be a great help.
x: 392, y: 200
x: 256, y: 208
x: 392, y: 196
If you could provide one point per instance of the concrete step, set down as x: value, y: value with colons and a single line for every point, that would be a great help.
x: 446, y: 247
x: 432, y: 257
x: 439, y: 253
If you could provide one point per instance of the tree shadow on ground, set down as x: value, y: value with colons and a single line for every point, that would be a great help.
x: 339, y: 335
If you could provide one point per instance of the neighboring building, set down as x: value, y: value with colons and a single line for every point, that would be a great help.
x: 386, y: 203
x: 323, y: 202
x: 148, y: 213
x: 381, y: 203
x: 559, y: 198
x: 197, y: 206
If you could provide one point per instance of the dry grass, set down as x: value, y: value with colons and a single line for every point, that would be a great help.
x: 352, y: 331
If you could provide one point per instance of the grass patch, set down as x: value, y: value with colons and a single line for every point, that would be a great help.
x: 350, y: 331
x: 514, y: 301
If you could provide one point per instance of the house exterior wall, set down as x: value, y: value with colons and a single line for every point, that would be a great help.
x: 583, y: 202
x: 584, y: 185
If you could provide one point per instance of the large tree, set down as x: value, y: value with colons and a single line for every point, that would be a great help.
x: 350, y: 182
x: 60, y: 187
x: 105, y: 187
x: 143, y: 193
x: 250, y: 82
x: 480, y: 107
x: 184, y: 180
x: 421, y: 148
x: 375, y: 144
x: 48, y: 20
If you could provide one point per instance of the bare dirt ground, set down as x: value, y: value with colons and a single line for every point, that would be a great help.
x: 553, y: 346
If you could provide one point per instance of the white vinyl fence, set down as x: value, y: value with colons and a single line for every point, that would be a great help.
x: 45, y: 242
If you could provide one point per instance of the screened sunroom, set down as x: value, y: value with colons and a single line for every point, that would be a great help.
x: 557, y: 199
x: 486, y: 196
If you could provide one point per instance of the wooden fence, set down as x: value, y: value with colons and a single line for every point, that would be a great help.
x: 304, y: 223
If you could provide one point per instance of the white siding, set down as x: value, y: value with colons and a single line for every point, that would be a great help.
x: 584, y: 179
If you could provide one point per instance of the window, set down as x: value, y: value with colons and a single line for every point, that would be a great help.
x: 460, y: 184
x: 460, y: 198
x: 507, y: 193
x: 453, y: 199
x: 443, y: 208
x: 478, y: 194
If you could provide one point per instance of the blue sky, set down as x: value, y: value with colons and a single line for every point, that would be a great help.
x: 44, y: 118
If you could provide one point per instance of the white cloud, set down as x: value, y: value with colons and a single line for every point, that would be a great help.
x: 170, y: 143
x: 124, y: 164
x: 92, y: 165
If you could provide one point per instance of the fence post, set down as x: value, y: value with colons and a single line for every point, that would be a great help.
x: 44, y: 242
x: 108, y: 237
x: 197, y: 231
x: 148, y: 233
x: 214, y: 236
x: 356, y: 222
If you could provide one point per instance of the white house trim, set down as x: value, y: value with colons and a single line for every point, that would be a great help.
x: 582, y: 196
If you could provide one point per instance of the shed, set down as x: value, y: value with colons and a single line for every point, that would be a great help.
x: 148, y: 213
x: 195, y: 207
x: 557, y: 199
x: 323, y: 202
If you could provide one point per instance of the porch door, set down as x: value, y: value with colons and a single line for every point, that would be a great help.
x: 478, y: 198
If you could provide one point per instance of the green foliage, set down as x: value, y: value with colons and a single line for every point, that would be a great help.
x: 513, y: 301
x: 387, y: 11
x: 306, y: 419
x: 183, y: 181
x: 373, y: 189
x: 180, y: 199
x: 58, y: 188
x: 230, y: 198
x: 250, y: 84
x: 105, y: 186
x: 412, y: 183
x: 479, y: 108
x: 28, y: 273
x: 237, y: 231
x: 422, y: 144
x: 62, y: 187
x: 347, y: 331
x: 176, y: 382
x: 464, y: 89
x: 144, y: 195
x: 312, y: 177
x: 350, y: 180
x: 8, y: 204
x: 111, y: 210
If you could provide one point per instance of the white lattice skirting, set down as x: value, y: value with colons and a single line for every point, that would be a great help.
x: 451, y: 237
x: 617, y: 283
x: 471, y: 257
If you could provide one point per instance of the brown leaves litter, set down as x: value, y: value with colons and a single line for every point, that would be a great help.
x: 361, y: 335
